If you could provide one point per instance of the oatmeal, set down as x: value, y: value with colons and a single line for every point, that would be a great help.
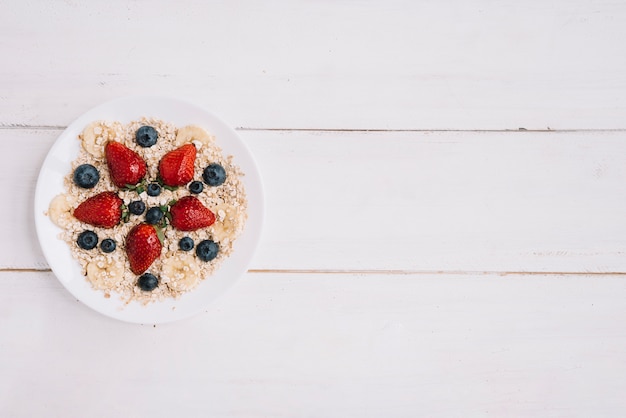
x: 150, y: 209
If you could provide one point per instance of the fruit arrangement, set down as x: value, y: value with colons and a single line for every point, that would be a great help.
x: 150, y: 209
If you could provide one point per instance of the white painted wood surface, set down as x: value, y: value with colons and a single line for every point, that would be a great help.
x: 410, y: 201
x: 322, y: 345
x: 421, y: 256
x: 280, y: 64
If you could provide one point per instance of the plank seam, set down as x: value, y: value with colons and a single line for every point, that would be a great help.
x: 353, y: 130
x: 518, y: 130
x: 389, y: 272
x: 436, y: 272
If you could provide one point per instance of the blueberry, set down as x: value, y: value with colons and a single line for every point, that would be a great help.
x: 207, y: 250
x: 185, y: 244
x: 137, y: 207
x: 87, y: 240
x: 153, y: 189
x: 196, y: 187
x: 86, y: 176
x: 147, y: 282
x: 107, y: 245
x: 154, y: 215
x: 214, y: 174
x: 146, y: 136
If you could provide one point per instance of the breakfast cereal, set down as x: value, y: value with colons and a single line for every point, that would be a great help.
x: 192, y: 198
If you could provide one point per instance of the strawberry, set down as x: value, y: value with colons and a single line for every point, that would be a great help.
x: 189, y: 214
x: 125, y: 165
x: 143, y: 246
x: 103, y: 209
x: 176, y: 167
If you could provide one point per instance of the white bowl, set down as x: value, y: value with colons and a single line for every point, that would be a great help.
x: 58, y: 164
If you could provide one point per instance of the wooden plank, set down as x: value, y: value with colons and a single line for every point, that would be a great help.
x: 416, y: 201
x: 376, y: 65
x: 325, y: 346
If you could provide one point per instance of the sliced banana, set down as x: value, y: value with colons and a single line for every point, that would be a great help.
x: 60, y: 209
x: 181, y: 273
x: 104, y: 274
x: 226, y: 222
x: 194, y: 134
x: 95, y: 136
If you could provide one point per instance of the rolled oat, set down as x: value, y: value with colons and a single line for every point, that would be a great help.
x: 179, y: 272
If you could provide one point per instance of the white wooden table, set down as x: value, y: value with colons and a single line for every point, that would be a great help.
x: 446, y: 209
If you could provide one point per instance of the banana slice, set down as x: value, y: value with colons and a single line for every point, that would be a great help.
x: 104, y: 274
x: 60, y: 209
x: 95, y: 136
x: 194, y: 134
x: 181, y: 273
x: 226, y: 222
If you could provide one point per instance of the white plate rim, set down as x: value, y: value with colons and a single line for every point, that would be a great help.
x: 57, y: 164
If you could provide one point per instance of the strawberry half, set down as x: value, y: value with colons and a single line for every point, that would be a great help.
x: 143, y: 246
x: 125, y: 165
x: 176, y: 167
x: 103, y: 210
x: 189, y: 214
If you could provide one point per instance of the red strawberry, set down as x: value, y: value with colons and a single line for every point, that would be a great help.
x: 176, y: 167
x: 125, y: 165
x: 143, y: 246
x: 103, y: 209
x: 189, y: 214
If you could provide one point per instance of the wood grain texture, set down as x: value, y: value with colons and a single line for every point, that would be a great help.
x: 416, y: 201
x: 427, y: 269
x: 388, y: 65
x: 325, y: 346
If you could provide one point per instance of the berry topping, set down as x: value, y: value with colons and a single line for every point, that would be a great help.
x: 87, y: 240
x: 207, y: 250
x: 86, y: 176
x: 153, y: 189
x: 107, y: 245
x: 185, y: 244
x: 196, y: 187
x: 214, y: 175
x: 143, y: 246
x: 154, y: 215
x: 189, y: 214
x: 137, y: 207
x: 176, y: 167
x: 147, y: 282
x: 126, y: 167
x: 103, y: 210
x: 146, y: 136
